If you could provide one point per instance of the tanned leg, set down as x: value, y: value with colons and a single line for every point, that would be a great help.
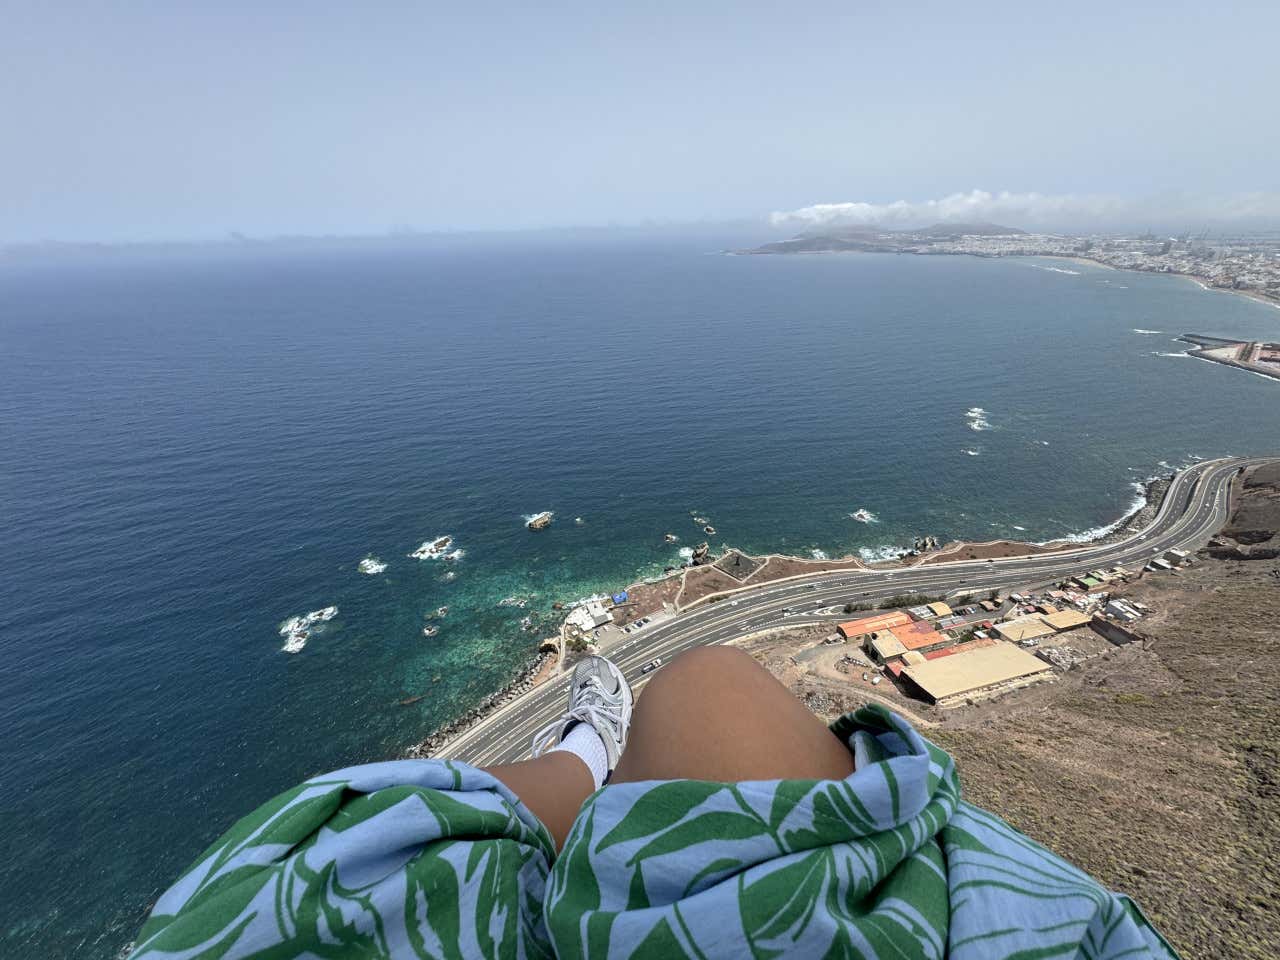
x: 715, y: 714
x: 711, y: 714
x: 553, y: 786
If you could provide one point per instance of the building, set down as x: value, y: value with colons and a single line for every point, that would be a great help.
x: 1122, y: 609
x: 1066, y: 619
x: 976, y: 673
x: 884, y: 647
x: 920, y: 636
x: 939, y: 609
x: 975, y: 644
x: 1030, y: 627
x: 588, y: 616
x: 856, y: 629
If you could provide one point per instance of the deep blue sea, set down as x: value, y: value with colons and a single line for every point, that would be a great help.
x: 197, y: 445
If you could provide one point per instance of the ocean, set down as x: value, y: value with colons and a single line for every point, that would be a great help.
x: 197, y: 445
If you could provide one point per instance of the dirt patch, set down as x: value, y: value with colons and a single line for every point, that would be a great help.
x: 991, y: 550
x: 1156, y: 769
x: 646, y: 599
x: 1154, y: 766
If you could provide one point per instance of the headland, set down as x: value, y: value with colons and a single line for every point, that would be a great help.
x: 1247, y: 265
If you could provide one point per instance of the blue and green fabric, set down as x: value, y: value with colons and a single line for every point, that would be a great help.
x: 433, y: 858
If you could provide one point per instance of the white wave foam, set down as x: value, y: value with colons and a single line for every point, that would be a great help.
x: 819, y: 554
x: 1016, y: 527
x: 686, y: 553
x: 880, y: 554
x: 1140, y: 330
x: 1095, y: 533
x: 977, y: 419
x: 1043, y: 443
x: 1170, y: 353
x: 371, y: 565
x: 434, y: 548
x: 297, y: 630
x: 1038, y: 266
x: 863, y: 515
x: 972, y: 453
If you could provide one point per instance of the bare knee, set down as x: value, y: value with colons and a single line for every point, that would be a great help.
x: 713, y: 713
x: 705, y: 669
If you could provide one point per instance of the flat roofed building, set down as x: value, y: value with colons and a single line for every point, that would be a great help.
x: 885, y: 646
x: 860, y: 628
x: 983, y: 671
x: 1023, y: 628
x: 920, y: 636
x: 590, y: 615
x: 1066, y: 619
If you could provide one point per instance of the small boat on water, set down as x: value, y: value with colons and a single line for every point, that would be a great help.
x: 539, y: 521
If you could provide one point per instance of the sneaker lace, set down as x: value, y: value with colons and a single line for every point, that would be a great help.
x: 591, y: 706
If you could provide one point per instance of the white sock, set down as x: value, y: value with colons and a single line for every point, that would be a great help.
x: 585, y: 744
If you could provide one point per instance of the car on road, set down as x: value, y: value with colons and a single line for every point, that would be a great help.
x: 785, y: 611
x: 651, y: 666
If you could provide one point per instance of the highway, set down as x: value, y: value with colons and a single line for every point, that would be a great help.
x: 1194, y: 508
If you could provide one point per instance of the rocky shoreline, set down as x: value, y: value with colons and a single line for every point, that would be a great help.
x: 1153, y: 489
x: 441, y: 735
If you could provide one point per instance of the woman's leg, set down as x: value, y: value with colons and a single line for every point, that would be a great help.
x: 715, y: 714
x: 711, y: 714
x: 553, y: 786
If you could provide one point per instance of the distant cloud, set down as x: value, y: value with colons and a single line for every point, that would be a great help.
x: 1037, y: 210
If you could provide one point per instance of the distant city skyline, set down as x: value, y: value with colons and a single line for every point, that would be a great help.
x: 157, y: 122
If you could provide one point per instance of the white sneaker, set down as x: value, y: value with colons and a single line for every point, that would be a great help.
x: 598, y: 696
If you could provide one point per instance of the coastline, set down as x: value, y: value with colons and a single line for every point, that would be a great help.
x: 1202, y: 282
x: 1152, y: 495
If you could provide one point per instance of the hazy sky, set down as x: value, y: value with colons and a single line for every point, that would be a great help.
x: 137, y: 120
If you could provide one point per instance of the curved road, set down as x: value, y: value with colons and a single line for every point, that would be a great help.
x: 1194, y: 508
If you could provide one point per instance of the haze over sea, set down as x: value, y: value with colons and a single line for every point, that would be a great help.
x: 201, y: 444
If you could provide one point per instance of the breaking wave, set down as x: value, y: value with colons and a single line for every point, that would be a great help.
x: 372, y: 565
x: 1140, y: 330
x: 435, y: 549
x: 1096, y: 533
x: 976, y: 417
x: 972, y: 453
x: 297, y: 630
x: 819, y: 554
x: 882, y: 553
x: 863, y: 515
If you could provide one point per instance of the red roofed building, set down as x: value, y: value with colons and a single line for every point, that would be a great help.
x: 854, y: 629
x: 919, y: 636
x: 959, y: 648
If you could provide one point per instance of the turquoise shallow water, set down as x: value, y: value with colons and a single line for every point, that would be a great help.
x: 198, y: 446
